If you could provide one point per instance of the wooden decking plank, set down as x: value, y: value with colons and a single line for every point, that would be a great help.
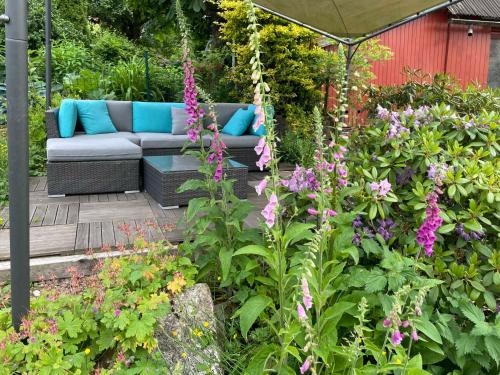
x: 120, y: 236
x: 131, y: 196
x: 108, y: 235
x: 112, y: 211
x: 50, y: 215
x: 112, y: 197
x: 102, y: 198
x: 38, y: 216
x: 33, y: 181
x: 150, y: 229
x: 82, y: 236
x: 42, y: 184
x: 155, y: 207
x: 121, y: 196
x: 84, y: 198
x: 93, y: 198
x: 50, y: 240
x: 73, y: 210
x: 62, y: 214
x: 95, y: 236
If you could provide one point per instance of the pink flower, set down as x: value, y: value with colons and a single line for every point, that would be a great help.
x: 269, y: 211
x: 385, y: 187
x: 387, y: 322
x: 311, y: 196
x: 259, y: 149
x: 265, y: 158
x: 414, y: 335
x: 426, y: 234
x: 312, y: 212
x: 305, y: 367
x: 397, y: 337
x: 301, y: 312
x: 259, y: 121
x: 331, y: 212
x: 306, y: 295
x: 117, y: 312
x: 406, y: 324
x: 374, y: 186
x: 261, y: 186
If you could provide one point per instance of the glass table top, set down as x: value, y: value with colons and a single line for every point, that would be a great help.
x: 178, y: 163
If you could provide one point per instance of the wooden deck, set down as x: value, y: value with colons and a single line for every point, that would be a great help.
x: 73, y: 224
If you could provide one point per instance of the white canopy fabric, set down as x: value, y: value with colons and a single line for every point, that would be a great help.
x: 350, y: 19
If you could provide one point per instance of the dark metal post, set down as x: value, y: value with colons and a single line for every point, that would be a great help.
x: 48, y: 53
x: 350, y: 55
x: 16, y: 62
x: 146, y: 63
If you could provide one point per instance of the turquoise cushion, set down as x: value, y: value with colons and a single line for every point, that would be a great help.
x: 94, y: 117
x: 261, y: 131
x: 153, y: 117
x: 239, y: 122
x: 68, y: 113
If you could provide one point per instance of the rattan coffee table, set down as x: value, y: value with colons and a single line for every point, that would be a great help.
x: 164, y: 174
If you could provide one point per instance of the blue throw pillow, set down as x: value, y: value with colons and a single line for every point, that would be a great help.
x: 261, y: 131
x: 239, y: 122
x: 67, y: 118
x: 94, y: 117
x: 153, y: 117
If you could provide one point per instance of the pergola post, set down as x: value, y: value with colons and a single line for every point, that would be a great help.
x: 16, y: 62
x: 48, y: 54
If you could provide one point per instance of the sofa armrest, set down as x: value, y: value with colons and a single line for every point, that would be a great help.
x: 51, y: 124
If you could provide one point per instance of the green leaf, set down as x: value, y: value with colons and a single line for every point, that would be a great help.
x: 473, y: 225
x: 373, y: 211
x: 375, y: 282
x: 250, y: 311
x: 465, y: 344
x: 472, y: 312
x: 492, y: 344
x: 225, y: 257
x: 254, y: 250
x: 195, y: 206
x: 429, y: 329
x: 415, y: 362
x: 297, y: 232
x: 258, y: 362
x: 69, y: 324
x: 191, y: 185
x: 446, y: 228
x: 371, y: 247
x: 452, y: 190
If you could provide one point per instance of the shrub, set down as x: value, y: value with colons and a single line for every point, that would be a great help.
x: 111, y: 48
x: 104, y: 322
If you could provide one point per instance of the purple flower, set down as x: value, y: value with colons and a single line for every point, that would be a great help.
x: 357, y: 222
x: 312, y: 212
x: 305, y: 367
x: 397, y: 337
x: 385, y: 228
x: 331, y: 213
x: 405, y: 324
x: 382, y: 113
x: 259, y: 149
x: 414, y: 335
x: 301, y: 312
x: 311, y: 196
x: 408, y: 112
x: 437, y: 173
x: 302, y: 179
x: 269, y: 211
x: 306, y: 295
x: 403, y: 176
x: 381, y: 188
x: 426, y: 233
x: 265, y: 158
x: 261, y: 186
x: 356, y: 239
x: 194, y: 111
x: 387, y: 322
x: 117, y: 312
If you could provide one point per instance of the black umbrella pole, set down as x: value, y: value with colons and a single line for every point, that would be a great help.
x: 48, y: 53
x: 16, y: 62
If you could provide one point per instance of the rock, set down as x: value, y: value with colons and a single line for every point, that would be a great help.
x: 187, y: 337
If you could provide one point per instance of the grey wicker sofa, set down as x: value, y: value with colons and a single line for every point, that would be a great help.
x: 104, y: 163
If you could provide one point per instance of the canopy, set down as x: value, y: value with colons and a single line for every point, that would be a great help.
x: 346, y: 20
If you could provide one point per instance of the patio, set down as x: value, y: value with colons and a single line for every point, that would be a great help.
x: 73, y: 224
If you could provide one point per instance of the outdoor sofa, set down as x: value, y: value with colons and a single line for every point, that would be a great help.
x: 104, y: 163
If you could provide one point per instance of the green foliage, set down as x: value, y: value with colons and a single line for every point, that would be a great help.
x: 297, y: 148
x: 422, y: 89
x: 105, y: 321
x: 111, y: 47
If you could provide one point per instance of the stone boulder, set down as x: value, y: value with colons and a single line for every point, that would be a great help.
x: 187, y: 337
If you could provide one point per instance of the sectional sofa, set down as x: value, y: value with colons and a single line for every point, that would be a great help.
x: 103, y: 163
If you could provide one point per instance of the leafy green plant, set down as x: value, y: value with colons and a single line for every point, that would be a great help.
x: 105, y: 322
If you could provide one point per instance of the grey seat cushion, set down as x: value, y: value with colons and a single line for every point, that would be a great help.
x: 242, y: 141
x: 179, y: 121
x: 121, y: 114
x: 165, y: 140
x: 120, y: 135
x: 91, y: 149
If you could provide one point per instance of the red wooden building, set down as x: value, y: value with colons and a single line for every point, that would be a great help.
x: 463, y: 40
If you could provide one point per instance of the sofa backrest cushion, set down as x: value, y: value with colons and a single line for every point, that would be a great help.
x: 153, y: 117
x: 261, y: 131
x: 121, y: 114
x: 179, y: 121
x: 239, y: 122
x: 68, y: 114
x: 224, y: 112
x: 94, y: 117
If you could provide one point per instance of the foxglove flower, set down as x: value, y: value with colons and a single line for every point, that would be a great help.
x: 426, y: 233
x: 305, y: 366
x: 269, y: 212
x: 414, y: 335
x: 301, y: 312
x: 397, y: 337
x: 306, y: 295
x: 261, y: 186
